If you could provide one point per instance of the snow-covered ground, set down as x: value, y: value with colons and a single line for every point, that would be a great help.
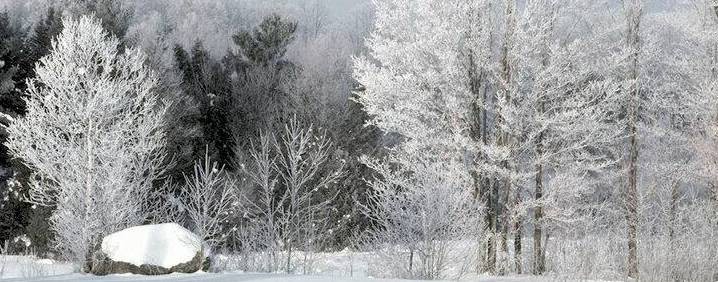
x: 29, y: 267
x: 330, y: 268
x: 343, y: 266
x: 248, y: 277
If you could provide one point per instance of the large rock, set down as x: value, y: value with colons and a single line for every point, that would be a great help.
x: 150, y: 250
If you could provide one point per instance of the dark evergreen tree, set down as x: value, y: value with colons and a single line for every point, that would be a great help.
x: 12, y: 52
x: 19, y: 53
x: 40, y: 43
x: 13, y: 212
x: 116, y: 15
x: 266, y: 44
x: 206, y: 82
x: 262, y: 78
x: 355, y: 139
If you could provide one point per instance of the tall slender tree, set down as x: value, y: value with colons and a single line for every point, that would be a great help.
x: 633, y: 10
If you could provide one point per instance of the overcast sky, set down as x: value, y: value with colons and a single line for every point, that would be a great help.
x: 341, y: 7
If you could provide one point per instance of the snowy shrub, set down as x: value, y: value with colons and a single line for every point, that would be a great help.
x: 424, y: 219
x: 293, y: 176
x: 675, y: 246
x: 259, y: 235
x: 208, y: 198
x: 686, y: 249
x: 32, y: 268
x: 597, y: 255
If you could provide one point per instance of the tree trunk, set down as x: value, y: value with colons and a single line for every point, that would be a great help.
x: 543, y: 250
x: 505, y: 139
x: 713, y: 194
x: 505, y: 224
x: 538, y: 258
x: 713, y: 53
x: 289, y: 258
x: 482, y: 185
x: 539, y: 264
x: 672, y: 227
x: 632, y: 202
x: 517, y: 236
x: 492, y: 216
x: 634, y: 12
x: 89, y: 196
x: 411, y: 263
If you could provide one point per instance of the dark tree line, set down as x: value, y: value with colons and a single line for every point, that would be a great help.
x: 21, y: 50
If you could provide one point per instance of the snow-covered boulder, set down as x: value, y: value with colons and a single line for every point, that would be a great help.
x: 150, y: 250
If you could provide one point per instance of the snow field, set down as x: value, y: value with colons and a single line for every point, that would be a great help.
x: 31, y: 267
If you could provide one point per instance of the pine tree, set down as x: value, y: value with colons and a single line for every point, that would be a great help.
x: 206, y: 82
x: 12, y: 49
x: 20, y: 53
x: 40, y: 42
x: 115, y: 15
x: 13, y: 212
x: 267, y: 44
x: 262, y: 78
x: 357, y: 140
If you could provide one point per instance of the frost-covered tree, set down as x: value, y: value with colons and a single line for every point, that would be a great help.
x: 293, y: 176
x: 208, y: 199
x: 93, y: 136
x: 705, y: 73
x: 564, y: 112
x: 633, y: 10
x: 152, y: 33
x: 417, y: 91
x: 262, y: 205
x: 650, y: 73
x: 500, y: 159
x: 678, y: 90
x: 321, y: 95
x: 309, y: 174
x: 423, y: 219
x: 537, y: 100
x: 414, y: 84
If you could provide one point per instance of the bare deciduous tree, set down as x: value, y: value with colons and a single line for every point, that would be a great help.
x: 424, y: 220
x: 294, y: 177
x: 93, y: 136
x: 208, y: 199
